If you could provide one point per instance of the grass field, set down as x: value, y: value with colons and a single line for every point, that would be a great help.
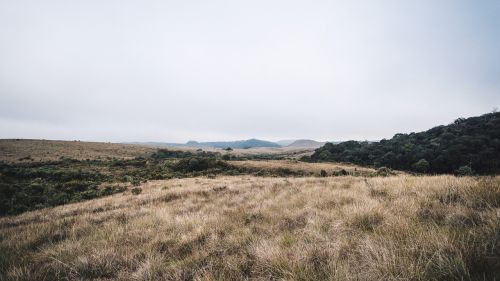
x: 260, y: 228
x: 25, y: 150
x: 297, y: 166
x: 44, y: 150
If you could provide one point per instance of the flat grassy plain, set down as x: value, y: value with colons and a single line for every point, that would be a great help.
x: 25, y: 150
x: 265, y: 228
x: 13, y: 150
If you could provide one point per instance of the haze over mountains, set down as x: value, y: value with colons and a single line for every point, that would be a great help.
x: 306, y: 144
x: 242, y: 144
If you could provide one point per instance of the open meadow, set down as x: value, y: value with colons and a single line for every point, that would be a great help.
x: 249, y: 140
x: 261, y: 228
x: 126, y: 212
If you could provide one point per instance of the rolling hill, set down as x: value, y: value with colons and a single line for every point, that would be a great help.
x: 45, y: 150
x: 250, y: 143
x: 285, y: 142
x: 234, y: 144
x: 464, y: 146
x: 306, y: 144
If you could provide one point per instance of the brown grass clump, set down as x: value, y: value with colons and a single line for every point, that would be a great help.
x: 366, y: 221
x: 255, y: 228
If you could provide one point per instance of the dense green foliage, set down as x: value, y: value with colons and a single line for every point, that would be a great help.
x: 166, y: 154
x: 465, y: 146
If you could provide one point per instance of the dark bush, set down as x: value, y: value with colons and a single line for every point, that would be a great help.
x: 421, y: 166
x: 136, y: 190
x: 464, y: 171
x: 384, y: 171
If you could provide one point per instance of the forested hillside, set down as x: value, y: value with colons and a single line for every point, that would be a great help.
x: 466, y: 146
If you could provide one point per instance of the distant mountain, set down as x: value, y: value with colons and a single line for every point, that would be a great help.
x: 285, y: 142
x: 306, y: 144
x: 156, y: 144
x: 216, y: 144
x: 233, y: 144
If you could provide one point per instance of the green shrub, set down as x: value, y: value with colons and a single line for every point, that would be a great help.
x: 421, y: 166
x: 136, y: 190
x: 464, y: 171
x: 384, y: 171
x: 136, y: 181
x: 325, y: 155
x: 341, y: 172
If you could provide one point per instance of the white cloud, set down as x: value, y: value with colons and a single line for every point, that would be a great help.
x: 210, y: 70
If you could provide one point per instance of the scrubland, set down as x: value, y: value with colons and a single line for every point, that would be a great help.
x: 265, y: 228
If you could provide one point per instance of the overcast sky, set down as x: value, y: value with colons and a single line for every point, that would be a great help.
x: 226, y: 70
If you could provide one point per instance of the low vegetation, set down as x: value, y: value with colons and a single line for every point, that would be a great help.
x: 34, y: 185
x: 118, y: 212
x: 31, y: 185
x: 294, y: 167
x: 261, y: 228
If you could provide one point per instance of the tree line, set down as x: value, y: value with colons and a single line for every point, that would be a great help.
x: 466, y: 146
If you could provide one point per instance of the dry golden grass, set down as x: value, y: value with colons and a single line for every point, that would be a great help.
x: 298, y: 166
x: 284, y: 152
x: 249, y: 228
x: 288, y: 152
x: 42, y: 150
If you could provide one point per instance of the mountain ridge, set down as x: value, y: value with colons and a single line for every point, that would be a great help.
x: 306, y: 143
x: 249, y: 143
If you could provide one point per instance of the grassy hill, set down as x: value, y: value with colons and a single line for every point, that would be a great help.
x: 306, y: 144
x: 466, y: 146
x: 265, y: 228
x: 43, y: 150
x: 138, y: 213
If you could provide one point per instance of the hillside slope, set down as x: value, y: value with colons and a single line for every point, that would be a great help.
x: 44, y: 150
x: 306, y: 144
x: 248, y: 228
x: 472, y: 143
x: 284, y: 142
